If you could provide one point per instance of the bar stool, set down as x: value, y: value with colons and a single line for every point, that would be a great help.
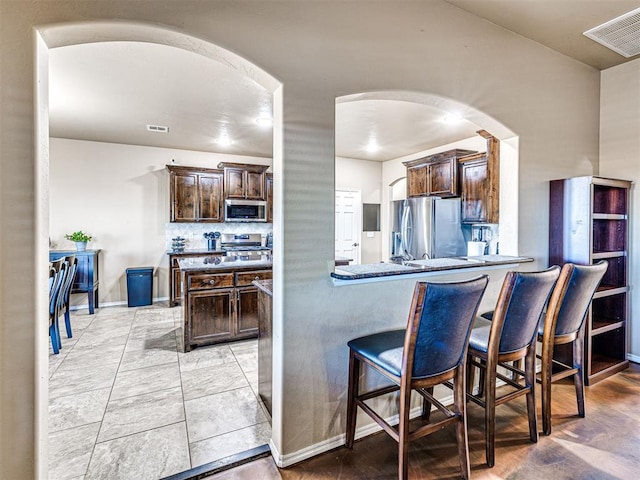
x: 564, y: 323
x: 509, y: 337
x: 429, y: 352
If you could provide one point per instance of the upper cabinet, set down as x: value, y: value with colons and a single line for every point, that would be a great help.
x: 480, y: 183
x: 244, y: 181
x: 435, y: 175
x: 195, y: 194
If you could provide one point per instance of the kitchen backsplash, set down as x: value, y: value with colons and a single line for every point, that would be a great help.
x: 193, y: 232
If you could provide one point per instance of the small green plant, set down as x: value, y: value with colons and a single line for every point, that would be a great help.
x: 78, y: 236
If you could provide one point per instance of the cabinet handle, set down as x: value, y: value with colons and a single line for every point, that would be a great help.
x: 212, y: 282
x: 257, y: 277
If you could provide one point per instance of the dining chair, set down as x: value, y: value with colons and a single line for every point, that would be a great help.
x: 509, y: 337
x: 65, y: 295
x: 564, y: 323
x: 56, y: 278
x: 430, y: 351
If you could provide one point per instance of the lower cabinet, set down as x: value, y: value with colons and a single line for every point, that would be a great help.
x: 216, y: 313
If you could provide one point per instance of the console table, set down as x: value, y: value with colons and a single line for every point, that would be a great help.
x: 87, y: 276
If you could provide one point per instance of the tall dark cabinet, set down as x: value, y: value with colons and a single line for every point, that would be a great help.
x: 588, y: 222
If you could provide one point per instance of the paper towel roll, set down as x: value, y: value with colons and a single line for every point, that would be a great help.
x: 475, y: 248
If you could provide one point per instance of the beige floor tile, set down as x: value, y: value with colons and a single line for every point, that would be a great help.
x: 135, y: 359
x: 141, y: 412
x: 145, y: 380
x: 222, y: 413
x: 202, y: 357
x: 70, y: 451
x: 221, y: 446
x: 68, y: 381
x: 76, y: 410
x: 147, y: 455
x: 208, y: 381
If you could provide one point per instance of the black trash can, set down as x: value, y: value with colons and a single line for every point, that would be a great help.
x: 139, y: 286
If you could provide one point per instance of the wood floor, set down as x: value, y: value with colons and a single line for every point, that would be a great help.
x: 604, y: 445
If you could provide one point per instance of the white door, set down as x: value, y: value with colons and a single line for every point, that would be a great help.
x: 348, y: 221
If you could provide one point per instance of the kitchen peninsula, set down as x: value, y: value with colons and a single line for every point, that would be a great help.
x: 220, y: 302
x: 352, y: 274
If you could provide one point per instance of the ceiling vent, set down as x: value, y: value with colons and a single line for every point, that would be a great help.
x: 622, y: 34
x: 158, y: 128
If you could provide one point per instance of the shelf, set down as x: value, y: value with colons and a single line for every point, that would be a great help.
x: 604, y: 367
x: 609, y: 199
x: 598, y: 328
x: 606, y: 290
x: 609, y: 235
x: 607, y: 255
x: 609, y: 216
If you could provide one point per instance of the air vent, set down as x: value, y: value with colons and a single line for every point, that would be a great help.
x: 158, y: 128
x: 622, y: 34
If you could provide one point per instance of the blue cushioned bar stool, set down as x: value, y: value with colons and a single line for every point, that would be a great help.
x: 564, y: 323
x: 509, y: 337
x: 429, y: 352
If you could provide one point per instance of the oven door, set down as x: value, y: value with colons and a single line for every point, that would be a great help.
x: 245, y: 211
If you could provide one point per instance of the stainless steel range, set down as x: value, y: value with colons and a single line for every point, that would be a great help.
x: 243, y: 245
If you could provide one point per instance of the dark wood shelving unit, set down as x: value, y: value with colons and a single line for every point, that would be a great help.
x: 589, y: 222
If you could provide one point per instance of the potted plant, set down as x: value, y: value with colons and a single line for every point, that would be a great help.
x: 80, y: 238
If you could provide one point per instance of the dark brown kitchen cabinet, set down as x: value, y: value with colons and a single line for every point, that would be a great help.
x: 479, y: 183
x: 175, y: 275
x: 244, y: 181
x: 195, y: 194
x: 221, y: 306
x: 435, y: 175
x: 211, y: 316
x: 269, y: 194
x: 589, y: 222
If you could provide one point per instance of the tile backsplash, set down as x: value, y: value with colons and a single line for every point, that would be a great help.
x: 193, y: 232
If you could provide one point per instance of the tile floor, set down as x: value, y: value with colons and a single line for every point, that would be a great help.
x: 125, y: 402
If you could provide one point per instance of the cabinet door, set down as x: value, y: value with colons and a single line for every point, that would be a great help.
x: 234, y: 182
x: 184, y: 204
x: 442, y: 178
x: 210, y: 197
x: 254, y: 186
x: 269, y: 195
x: 474, y: 191
x: 417, y: 181
x: 247, y: 313
x: 176, y: 286
x: 210, y: 316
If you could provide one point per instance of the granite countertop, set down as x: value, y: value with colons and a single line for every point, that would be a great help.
x: 375, y: 270
x: 223, y: 263
x: 196, y: 251
x: 265, y: 285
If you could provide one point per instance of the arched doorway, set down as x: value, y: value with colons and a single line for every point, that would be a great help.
x: 390, y: 127
x: 72, y: 34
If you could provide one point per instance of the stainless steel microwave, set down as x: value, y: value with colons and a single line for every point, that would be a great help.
x: 245, y: 210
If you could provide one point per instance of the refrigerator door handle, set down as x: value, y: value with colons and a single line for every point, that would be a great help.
x: 406, y: 229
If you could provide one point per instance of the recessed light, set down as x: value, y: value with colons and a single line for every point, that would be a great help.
x: 264, y: 121
x: 372, y: 147
x: 224, y: 140
x: 452, y: 118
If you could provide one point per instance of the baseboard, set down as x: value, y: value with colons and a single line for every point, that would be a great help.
x: 633, y: 358
x: 113, y: 304
x: 289, y: 459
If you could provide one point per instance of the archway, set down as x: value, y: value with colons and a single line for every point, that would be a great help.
x: 53, y: 36
x: 420, y: 108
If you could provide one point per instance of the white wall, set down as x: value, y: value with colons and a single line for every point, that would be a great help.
x: 366, y: 177
x: 620, y: 158
x: 119, y: 194
x: 319, y: 51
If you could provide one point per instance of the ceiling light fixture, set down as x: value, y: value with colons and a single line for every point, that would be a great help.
x: 372, y: 146
x: 224, y: 140
x: 452, y: 118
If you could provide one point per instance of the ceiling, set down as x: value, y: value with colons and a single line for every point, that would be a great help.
x: 110, y: 92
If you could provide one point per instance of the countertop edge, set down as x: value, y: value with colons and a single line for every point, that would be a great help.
x: 352, y: 279
x: 265, y: 286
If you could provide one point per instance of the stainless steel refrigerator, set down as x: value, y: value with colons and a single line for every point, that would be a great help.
x: 426, y: 227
